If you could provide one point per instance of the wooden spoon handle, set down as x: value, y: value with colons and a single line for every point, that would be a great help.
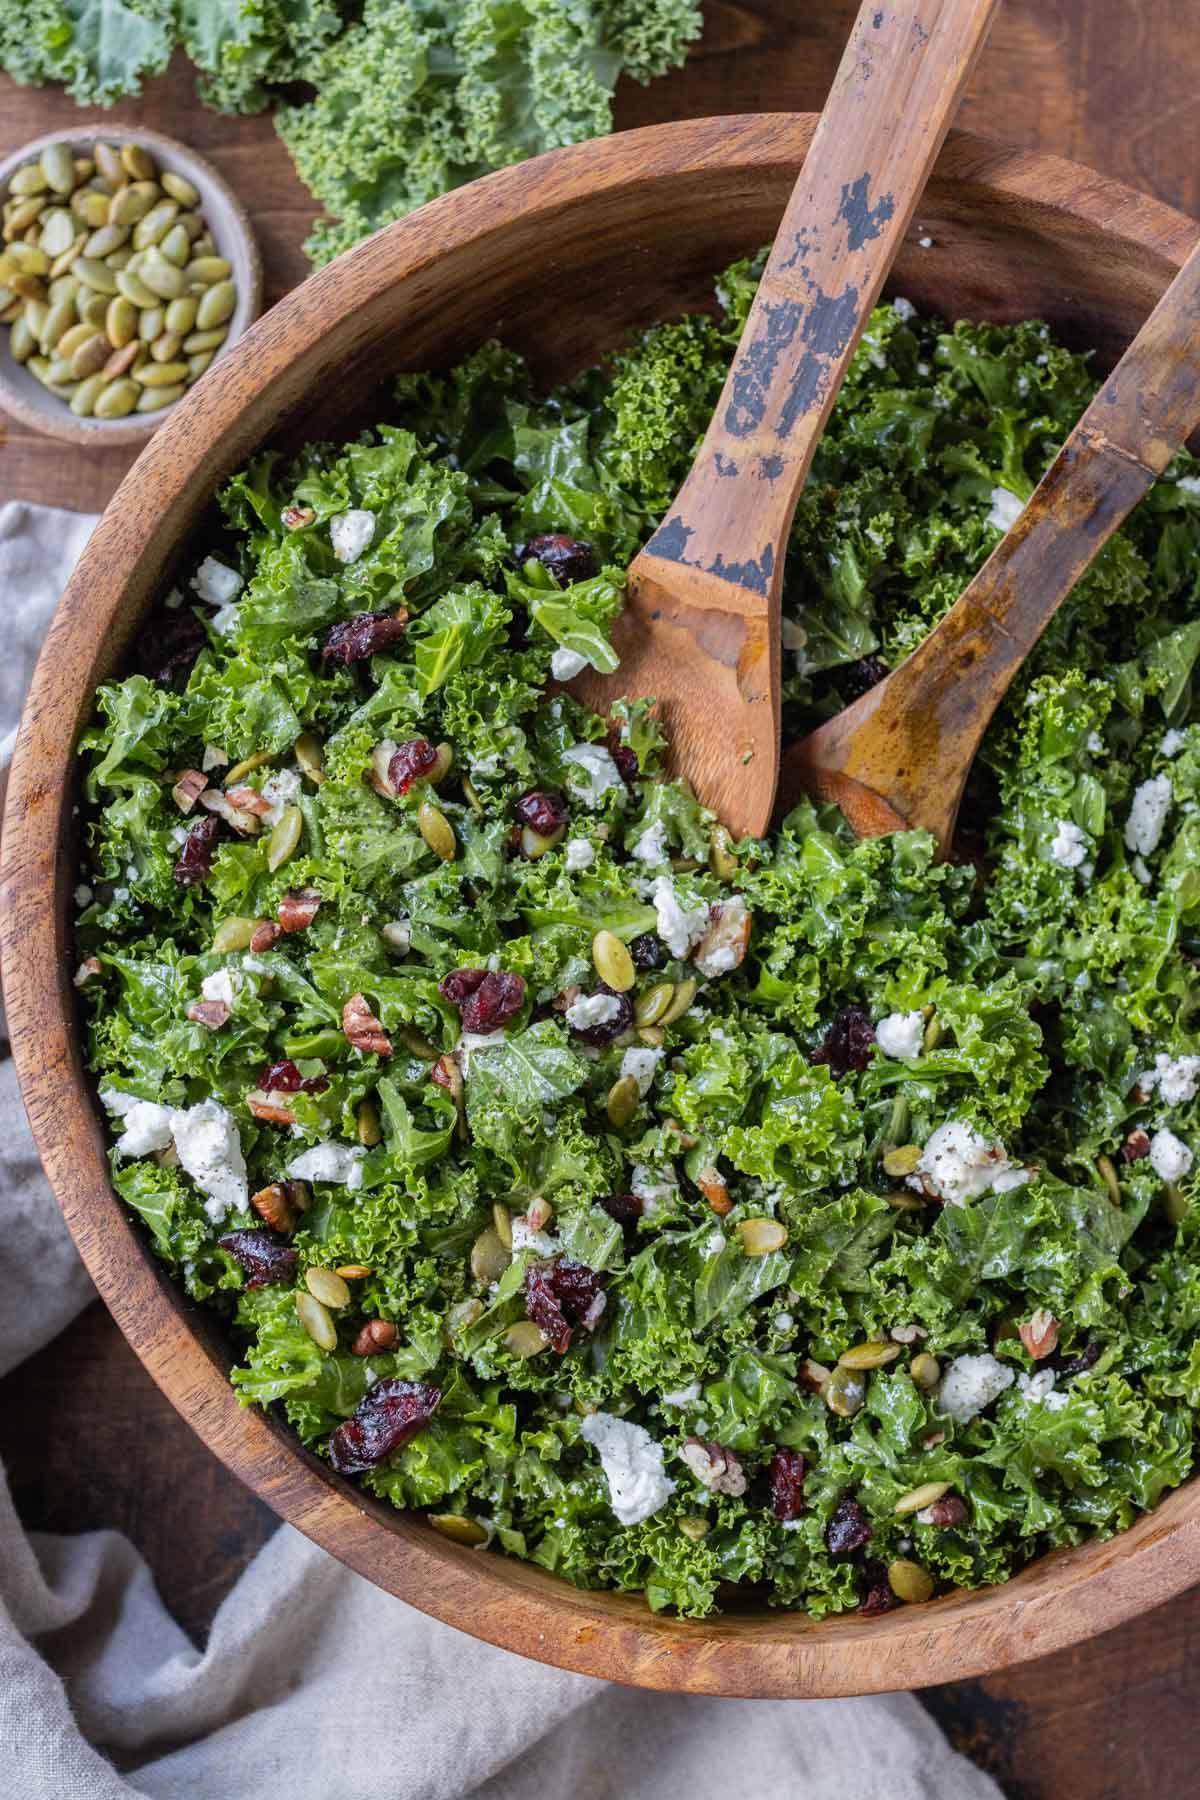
x: 891, y: 103
x: 914, y: 737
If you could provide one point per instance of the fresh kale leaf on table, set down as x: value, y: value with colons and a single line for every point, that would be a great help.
x: 411, y: 97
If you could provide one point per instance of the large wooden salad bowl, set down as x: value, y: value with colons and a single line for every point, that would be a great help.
x: 562, y: 258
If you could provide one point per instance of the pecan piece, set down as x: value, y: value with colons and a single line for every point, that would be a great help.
x: 294, y: 517
x: 1136, y: 1145
x: 282, y: 1203
x: 243, y: 822
x: 714, y: 1466
x: 87, y: 971
x: 376, y: 1337
x: 447, y: 1073
x: 1039, y: 1334
x: 212, y: 1013
x: 715, y: 1191
x: 363, y: 1030
x: 298, y: 908
x: 266, y: 935
x: 248, y: 800
x: 267, y: 1108
x: 188, y: 787
x: 723, y: 946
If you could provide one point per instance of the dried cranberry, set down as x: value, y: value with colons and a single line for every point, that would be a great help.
x: 787, y: 1484
x: 353, y: 640
x: 647, y: 952
x: 847, y: 1043
x: 265, y: 1260
x: 626, y: 759
x: 410, y: 762
x: 567, y: 558
x: 606, y: 1030
x: 169, y: 646
x: 486, y: 998
x: 626, y: 1209
x: 880, y: 1598
x: 552, y: 1289
x: 388, y: 1416
x: 285, y: 1078
x: 543, y: 812
x: 858, y: 678
x: 195, y: 858
x: 848, y: 1530
x: 1085, y: 1359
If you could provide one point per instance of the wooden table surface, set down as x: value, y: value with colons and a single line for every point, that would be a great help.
x: 86, y: 1437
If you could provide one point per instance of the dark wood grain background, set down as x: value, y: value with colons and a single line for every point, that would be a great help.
x: 86, y: 1437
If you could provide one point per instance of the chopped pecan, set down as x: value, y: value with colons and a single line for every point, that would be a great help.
x: 212, y: 1013
x: 188, y: 787
x: 248, y: 799
x: 87, y: 971
x: 567, y: 997
x: 723, y: 946
x: 716, y: 1467
x: 376, y: 1337
x: 363, y: 1030
x: 713, y: 1187
x: 267, y: 1108
x: 1136, y: 1145
x: 1039, y: 1334
x: 294, y: 517
x: 812, y: 1375
x: 907, y: 1334
x: 946, y: 1512
x: 282, y: 1203
x: 243, y: 822
x: 266, y: 935
x: 298, y: 908
x: 447, y: 1073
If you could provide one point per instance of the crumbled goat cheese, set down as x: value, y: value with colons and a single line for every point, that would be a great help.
x: 1006, y: 509
x: 651, y: 847
x: 970, y: 1384
x: 1148, y: 814
x: 1038, y: 1390
x: 351, y: 533
x: 1172, y: 742
x: 566, y: 664
x: 1068, y: 846
x: 684, y: 1396
x: 903, y: 309
x: 215, y: 582
x: 638, y: 1484
x: 83, y: 895
x: 580, y: 854
x: 1169, y: 1156
x: 207, y: 1141
x: 678, y: 929
x: 641, y: 1064
x: 1175, y: 1078
x: 340, y: 1163
x: 958, y: 1164
x: 225, y: 984
x: 655, y: 1188
x: 1189, y: 483
x: 524, y: 1237
x: 591, y: 773
x: 783, y: 1321
x: 900, y: 1035
x: 592, y: 1009
x: 1095, y: 743
x: 1141, y: 871
x: 280, y: 790
x: 147, y: 1127
x: 225, y: 619
x: 397, y: 933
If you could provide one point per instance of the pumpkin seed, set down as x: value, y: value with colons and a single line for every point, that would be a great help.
x: 316, y: 1321
x: 59, y: 370
x: 176, y: 247
x: 84, y: 167
x: 22, y: 342
x: 458, y: 1529
x: 135, y: 289
x: 58, y: 166
x: 868, y: 1356
x: 91, y: 307
x: 120, y: 321
x: 90, y: 357
x: 310, y: 756
x: 216, y: 305
x: 83, y: 400
x: 160, y: 374
x: 121, y: 361
x: 694, y: 1526
x: 96, y: 275
x: 614, y: 965
x: 443, y: 765
x: 844, y: 1392
x: 622, y: 1101
x: 902, y: 1160
x: 62, y: 264
x: 649, y: 1007
x: 437, y: 831
x: 208, y: 269
x: 179, y: 188
x: 1106, y: 1169
x: 352, y: 1271
x: 760, y: 1237
x: 57, y: 234
x: 103, y: 242
x: 370, y: 1131
x: 205, y: 340
x: 233, y: 933
x: 909, y: 1581
x: 327, y: 1287
x: 489, y: 1258
x: 904, y: 1200
x: 926, y: 1371
x: 109, y: 165
x: 29, y: 179
x: 71, y: 339
x: 150, y: 323
x: 59, y: 319
x: 416, y: 1043
x: 118, y: 398
x: 23, y: 215
x: 919, y: 1497
x: 137, y: 162
x: 91, y: 209
x: 162, y: 278
x: 28, y: 287
x: 721, y: 859
x: 525, y: 1339
x: 502, y: 1221
x: 155, y: 225
x: 681, y: 1000
x: 35, y: 313
x: 165, y: 349
x: 285, y: 837
x: 130, y: 204
x: 533, y: 844
x: 180, y: 315
x: 653, y: 1035
x: 1175, y: 1203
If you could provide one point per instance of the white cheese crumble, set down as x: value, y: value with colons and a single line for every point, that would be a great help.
x: 970, y: 1384
x: 225, y: 984
x: 398, y: 934
x: 566, y: 664
x: 1169, y: 1156
x: 1189, y: 483
x: 1006, y: 509
x: 638, y: 1484
x: 340, y: 1163
x: 147, y: 1128
x: 678, y: 929
x: 1148, y: 814
x: 1038, y: 1390
x: 1068, y: 846
x: 903, y: 309
x: 591, y: 773
x: 1172, y: 743
x: 641, y: 1064
x: 580, y: 854
x: 655, y: 1188
x: 592, y: 1009
x: 1175, y: 1078
x: 900, y: 1035
x: 524, y: 1237
x: 83, y: 895
x: 958, y: 1164
x: 684, y: 1396
x: 280, y: 790
x: 351, y: 533
x: 208, y: 1145
x: 216, y: 582
x: 651, y: 847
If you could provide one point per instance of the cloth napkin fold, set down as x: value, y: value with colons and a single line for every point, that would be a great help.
x: 314, y: 1685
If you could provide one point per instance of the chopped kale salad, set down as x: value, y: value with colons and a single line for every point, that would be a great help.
x: 803, y: 1217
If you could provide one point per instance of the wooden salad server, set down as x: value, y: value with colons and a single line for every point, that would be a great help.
x: 899, y: 756
x: 700, y: 630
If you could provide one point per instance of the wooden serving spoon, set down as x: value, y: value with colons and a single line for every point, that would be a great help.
x: 701, y: 626
x: 899, y: 756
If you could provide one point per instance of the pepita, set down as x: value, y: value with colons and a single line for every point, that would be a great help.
x: 155, y: 225
x: 109, y: 165
x: 437, y: 831
x: 926, y: 1371
x: 94, y: 274
x: 650, y: 1007
x: 353, y: 1271
x: 694, y: 1526
x: 759, y: 1237
x: 58, y: 166
x: 316, y: 1321
x: 525, y: 1339
x: 502, y: 1221
x: 310, y: 757
x: 613, y: 963
x: 681, y: 1000
x: 902, y: 1160
x: 180, y: 315
x: 130, y: 204
x: 285, y: 837
x: 27, y: 180
x: 105, y: 240
x: 90, y: 356
x: 120, y: 321
x: 208, y: 269
x: 58, y: 233
x: 176, y: 247
x: 83, y: 400
x: 920, y: 1497
x: 328, y: 1288
x: 845, y: 1392
x: 137, y: 163
x: 162, y: 278
x: 216, y: 305
x: 458, y: 1529
x: 160, y: 374
x: 119, y: 397
x: 622, y: 1101
x: 135, y: 289
x: 179, y: 188
x: 233, y: 933
x: 370, y: 1131
x: 489, y: 1258
x: 721, y: 859
x: 197, y: 341
x: 869, y: 1356
x: 165, y: 349
x: 909, y: 1581
x: 652, y: 1035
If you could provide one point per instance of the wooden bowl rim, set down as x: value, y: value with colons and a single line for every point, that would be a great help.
x: 227, y: 218
x: 1056, y: 1601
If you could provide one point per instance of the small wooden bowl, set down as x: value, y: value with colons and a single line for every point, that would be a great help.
x: 562, y: 258
x: 22, y: 395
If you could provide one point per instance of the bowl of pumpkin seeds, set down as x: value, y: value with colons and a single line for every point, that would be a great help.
x: 127, y: 264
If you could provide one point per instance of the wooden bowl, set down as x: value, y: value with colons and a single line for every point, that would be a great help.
x: 561, y: 257
x: 22, y: 395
